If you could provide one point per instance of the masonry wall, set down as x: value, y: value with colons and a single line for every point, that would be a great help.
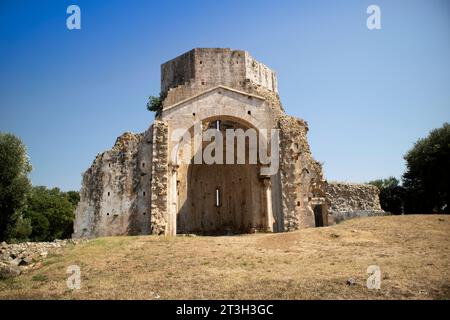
x: 348, y: 200
x: 159, y: 181
x: 301, y: 176
x: 115, y: 197
x: 201, y: 69
x: 259, y: 74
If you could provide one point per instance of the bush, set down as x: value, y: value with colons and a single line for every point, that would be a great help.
x: 51, y: 213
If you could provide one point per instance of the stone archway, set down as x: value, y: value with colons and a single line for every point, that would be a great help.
x: 222, y: 198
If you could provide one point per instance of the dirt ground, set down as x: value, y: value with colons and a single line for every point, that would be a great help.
x: 412, y: 252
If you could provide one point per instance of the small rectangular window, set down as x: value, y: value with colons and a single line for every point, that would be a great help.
x: 218, y: 197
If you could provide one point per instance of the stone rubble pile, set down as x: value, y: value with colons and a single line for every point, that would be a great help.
x: 16, y: 258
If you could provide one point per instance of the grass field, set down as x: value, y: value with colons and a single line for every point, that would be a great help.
x: 413, y: 253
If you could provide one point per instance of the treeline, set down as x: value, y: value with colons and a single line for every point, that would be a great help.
x: 30, y: 213
x: 425, y: 183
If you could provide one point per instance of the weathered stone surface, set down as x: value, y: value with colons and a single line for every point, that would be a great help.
x: 115, y: 197
x: 344, y: 197
x: 349, y: 200
x: 159, y: 219
x: 351, y: 282
x: 301, y: 176
x: 204, y: 68
x: 8, y: 271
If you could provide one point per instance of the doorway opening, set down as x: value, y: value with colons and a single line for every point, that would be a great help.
x: 318, y: 215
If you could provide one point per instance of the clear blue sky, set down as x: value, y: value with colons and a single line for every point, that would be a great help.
x: 367, y: 95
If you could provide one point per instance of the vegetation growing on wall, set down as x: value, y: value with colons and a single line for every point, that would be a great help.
x: 155, y: 104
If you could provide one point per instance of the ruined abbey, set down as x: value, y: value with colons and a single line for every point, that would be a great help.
x: 150, y: 183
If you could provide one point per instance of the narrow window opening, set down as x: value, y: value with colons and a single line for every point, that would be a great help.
x: 298, y: 203
x: 107, y: 214
x: 108, y: 193
x: 143, y: 214
x: 201, y: 62
x: 143, y: 164
x: 193, y: 114
x: 203, y: 83
x: 143, y: 193
x: 109, y: 165
x: 217, y: 197
x: 249, y: 112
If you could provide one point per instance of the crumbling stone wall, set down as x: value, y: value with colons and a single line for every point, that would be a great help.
x: 301, y: 176
x: 346, y: 200
x: 114, y: 199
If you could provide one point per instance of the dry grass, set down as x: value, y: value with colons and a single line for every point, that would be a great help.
x: 413, y: 253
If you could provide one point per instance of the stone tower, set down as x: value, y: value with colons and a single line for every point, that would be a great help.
x: 141, y: 186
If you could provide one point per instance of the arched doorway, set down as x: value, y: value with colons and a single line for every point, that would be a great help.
x: 217, y: 199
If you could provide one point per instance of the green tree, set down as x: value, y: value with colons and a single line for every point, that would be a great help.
x: 14, y: 183
x: 22, y: 230
x: 51, y: 213
x: 73, y: 197
x: 155, y: 104
x: 427, y: 176
x: 391, y: 194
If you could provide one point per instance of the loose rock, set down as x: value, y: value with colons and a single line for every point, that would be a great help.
x: 18, y: 257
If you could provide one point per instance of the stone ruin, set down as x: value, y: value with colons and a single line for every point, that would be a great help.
x: 141, y: 187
